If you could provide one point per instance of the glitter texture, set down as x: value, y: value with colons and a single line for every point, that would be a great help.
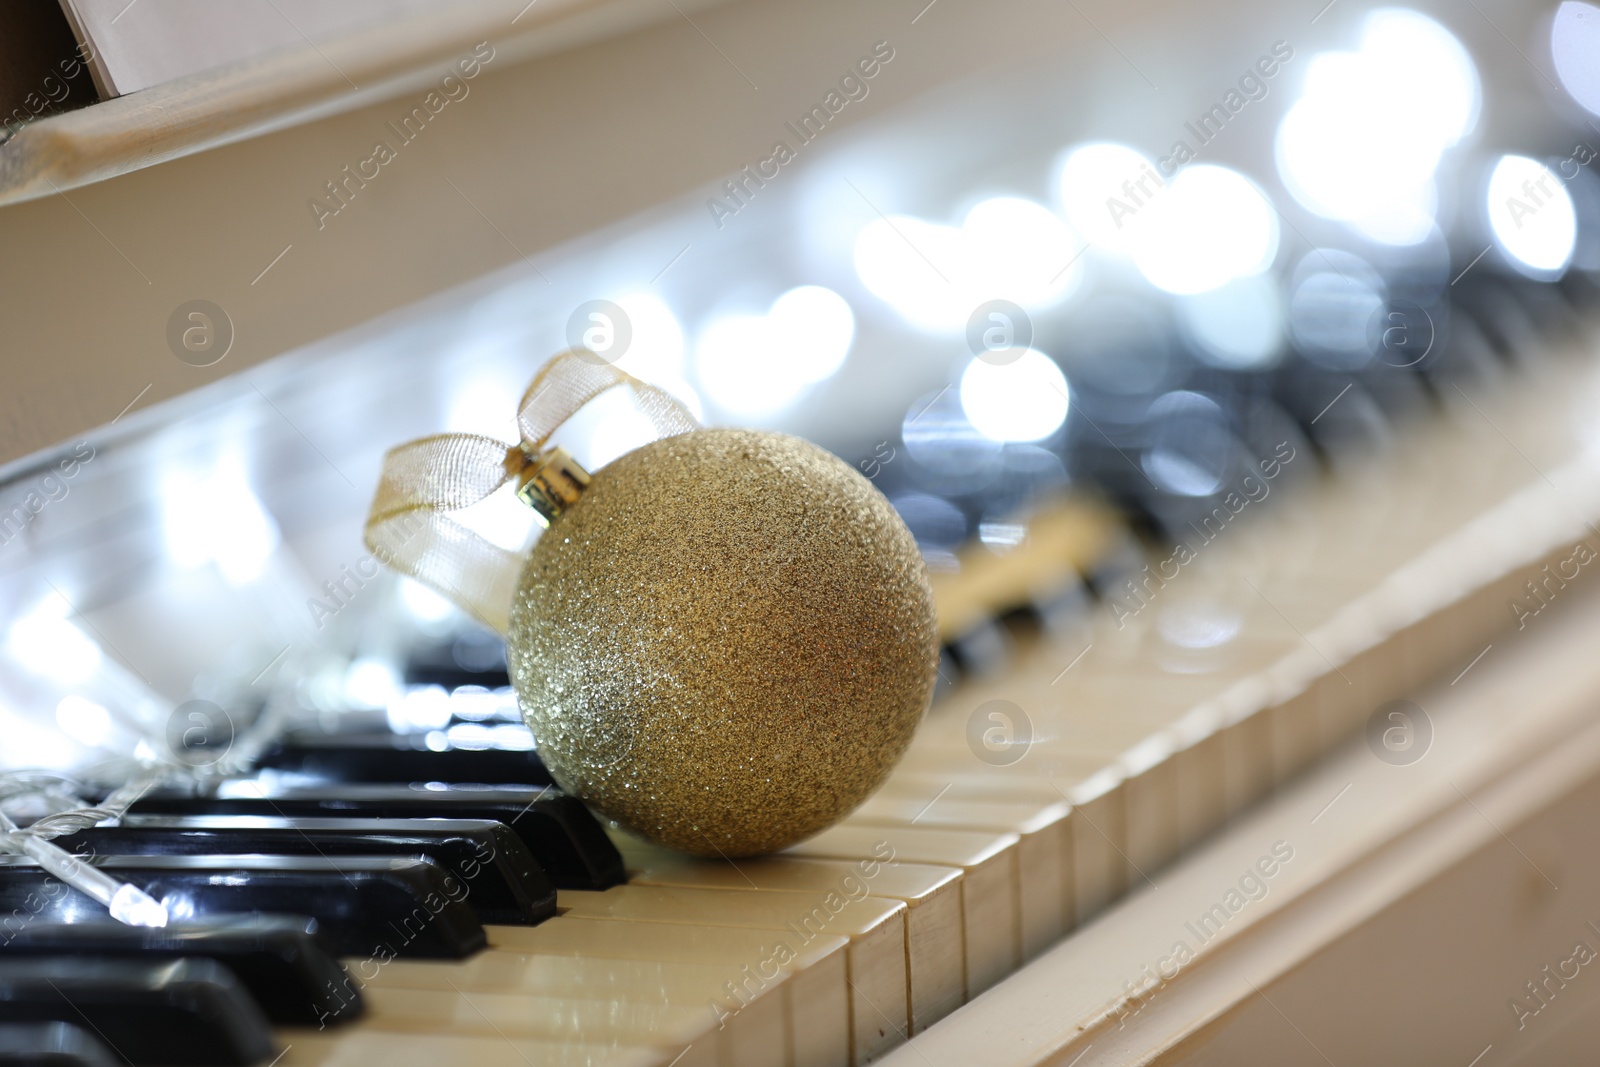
x: 726, y: 643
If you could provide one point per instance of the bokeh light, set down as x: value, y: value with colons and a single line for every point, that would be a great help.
x: 1237, y: 326
x: 1007, y: 248
x: 813, y: 328
x: 1018, y: 250
x: 1532, y: 215
x: 655, y: 346
x: 1191, y: 448
x: 1025, y: 400
x: 934, y: 522
x: 756, y: 365
x: 1097, y: 184
x: 46, y: 642
x: 1363, y: 142
x: 211, y: 516
x: 1575, y: 49
x: 1330, y: 311
x: 424, y: 604
x: 83, y: 720
x: 908, y: 263
x: 1210, y: 226
x: 940, y: 438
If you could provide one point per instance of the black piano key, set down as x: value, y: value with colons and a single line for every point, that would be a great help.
x: 564, y: 838
x: 476, y: 657
x: 982, y: 650
x: 53, y: 1045
x: 281, y: 959
x: 363, y: 905
x: 159, y: 1012
x: 1504, y: 319
x: 504, y: 882
x: 403, y: 758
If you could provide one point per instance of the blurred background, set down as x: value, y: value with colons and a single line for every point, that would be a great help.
x: 1128, y: 255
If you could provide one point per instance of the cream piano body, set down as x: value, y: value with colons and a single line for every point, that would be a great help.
x: 1178, y: 851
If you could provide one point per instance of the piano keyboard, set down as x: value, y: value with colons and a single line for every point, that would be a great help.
x: 481, y: 916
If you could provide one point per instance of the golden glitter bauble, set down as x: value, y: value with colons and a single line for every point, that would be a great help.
x: 725, y: 643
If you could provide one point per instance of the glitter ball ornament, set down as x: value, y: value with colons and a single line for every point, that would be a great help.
x: 724, y: 641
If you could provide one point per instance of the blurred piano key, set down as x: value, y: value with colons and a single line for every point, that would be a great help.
x: 990, y: 887
x: 410, y: 1049
x: 468, y: 753
x: 935, y: 946
x: 504, y: 883
x: 559, y: 831
x: 876, y: 957
x: 53, y: 1045
x: 1044, y: 849
x: 282, y: 960
x: 756, y: 1034
x: 669, y: 1028
x: 815, y: 998
x: 167, y: 1013
x: 361, y: 904
x: 475, y: 657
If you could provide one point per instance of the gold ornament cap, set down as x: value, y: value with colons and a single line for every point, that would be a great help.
x: 552, y: 483
x: 410, y: 528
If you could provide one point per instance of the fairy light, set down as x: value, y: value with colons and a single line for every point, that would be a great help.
x: 127, y: 902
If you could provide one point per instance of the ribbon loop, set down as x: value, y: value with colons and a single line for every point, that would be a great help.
x: 408, y: 527
x: 577, y: 376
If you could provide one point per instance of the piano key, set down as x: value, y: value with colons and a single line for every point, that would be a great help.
x: 483, y: 667
x: 935, y: 949
x: 389, y: 757
x: 53, y: 1045
x: 1202, y: 778
x: 756, y: 1035
x: 1073, y: 740
x: 1128, y: 722
x: 1091, y: 784
x: 280, y: 959
x: 364, y: 1047
x: 504, y: 883
x: 875, y: 960
x: 362, y: 904
x: 816, y: 996
x: 640, y: 1022
x: 1096, y: 821
x: 989, y: 886
x: 564, y: 838
x: 1044, y: 762
x: 1044, y: 849
x: 1494, y: 304
x: 1149, y: 785
x: 169, y: 1013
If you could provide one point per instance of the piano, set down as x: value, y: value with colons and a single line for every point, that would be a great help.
x: 1234, y: 367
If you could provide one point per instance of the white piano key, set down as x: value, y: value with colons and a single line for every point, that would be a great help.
x: 1044, y: 851
x: 876, y: 957
x: 363, y: 1046
x: 758, y: 1034
x: 817, y: 994
x: 1098, y: 823
x: 1201, y: 768
x: 1149, y: 805
x: 1099, y: 833
x: 932, y: 895
x: 989, y: 889
x: 625, y: 1023
x: 1004, y: 789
